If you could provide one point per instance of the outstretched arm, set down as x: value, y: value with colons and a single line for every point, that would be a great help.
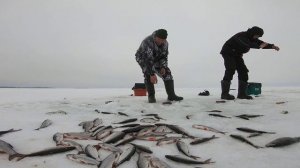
x: 265, y: 45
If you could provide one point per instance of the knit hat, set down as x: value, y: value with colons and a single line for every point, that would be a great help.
x: 255, y: 31
x: 161, y: 33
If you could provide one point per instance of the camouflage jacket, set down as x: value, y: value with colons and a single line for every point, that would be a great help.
x: 150, y: 56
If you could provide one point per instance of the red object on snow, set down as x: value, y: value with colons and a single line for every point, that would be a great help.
x: 139, y: 89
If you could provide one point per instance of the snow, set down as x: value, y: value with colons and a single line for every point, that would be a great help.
x: 27, y: 108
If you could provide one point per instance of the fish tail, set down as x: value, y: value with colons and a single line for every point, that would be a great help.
x: 37, y: 129
x: 17, y: 155
x: 208, y: 161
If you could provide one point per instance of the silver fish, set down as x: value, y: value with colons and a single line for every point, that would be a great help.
x: 58, y: 137
x: 186, y: 160
x: 110, y: 161
x: 72, y: 143
x: 92, y: 152
x: 179, y: 130
x: 183, y: 148
x: 146, y: 131
x: 109, y: 147
x: 104, y: 133
x: 49, y: 151
x: 168, y: 140
x: 128, y: 138
x: 57, y: 112
x: 126, y: 155
x: 142, y: 148
x: 83, y: 159
x: 283, y: 141
x: 202, y: 140
x: 144, y: 160
x: 242, y: 139
x: 79, y: 136
x: 97, y: 122
x: 126, y: 121
x: 157, y: 163
x: 100, y: 130
x: 7, y: 148
x: 88, y: 125
x: 148, y: 120
x: 114, y: 137
x: 45, y: 124
x: 9, y: 131
x: 206, y: 128
x: 249, y: 130
x: 163, y: 129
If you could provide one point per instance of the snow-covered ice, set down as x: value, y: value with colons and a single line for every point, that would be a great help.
x: 27, y: 108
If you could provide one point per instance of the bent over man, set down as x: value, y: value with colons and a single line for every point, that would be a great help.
x: 152, y: 56
x: 232, y: 52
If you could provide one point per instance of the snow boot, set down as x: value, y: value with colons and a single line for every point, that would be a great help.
x: 169, y: 85
x: 225, y: 85
x: 242, y: 91
x: 151, y: 92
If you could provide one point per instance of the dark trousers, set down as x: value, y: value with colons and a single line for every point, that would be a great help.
x: 232, y: 64
x: 166, y: 77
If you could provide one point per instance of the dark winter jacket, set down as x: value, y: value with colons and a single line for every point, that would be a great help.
x: 241, y: 43
x: 150, y: 56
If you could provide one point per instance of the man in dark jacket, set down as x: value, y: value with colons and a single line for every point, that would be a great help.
x: 232, y: 52
x: 152, y: 56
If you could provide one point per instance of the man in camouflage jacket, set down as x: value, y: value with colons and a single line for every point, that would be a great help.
x: 152, y: 56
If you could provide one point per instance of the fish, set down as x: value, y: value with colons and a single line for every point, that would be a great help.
x: 136, y: 129
x: 109, y: 147
x: 220, y: 101
x: 186, y: 160
x: 183, y: 148
x: 242, y: 139
x: 45, y: 124
x: 92, y: 152
x: 9, y: 131
x: 281, y: 102
x: 206, y: 128
x: 151, y: 137
x: 87, y: 125
x: 7, y: 148
x: 142, y: 148
x: 218, y: 115
x: 188, y: 117
x: 49, y: 151
x: 128, y: 125
x: 101, y: 129
x: 126, y: 155
x: 126, y: 121
x: 179, y: 130
x: 97, y: 122
x: 79, y: 136
x: 114, y: 137
x: 157, y: 163
x: 128, y: 138
x: 155, y: 116
x: 254, y: 135
x: 96, y: 110
x: 167, y: 140
x: 83, y: 159
x: 144, y: 160
x: 148, y: 120
x: 163, y: 129
x: 214, y: 111
x: 109, y: 101
x: 103, y: 134
x: 167, y: 103
x: 104, y: 112
x: 284, y: 141
x: 96, y: 128
x: 110, y: 161
x: 202, y: 140
x: 248, y: 116
x: 249, y: 130
x: 72, y: 143
x: 146, y: 131
x: 57, y: 112
x: 58, y: 137
x: 123, y: 114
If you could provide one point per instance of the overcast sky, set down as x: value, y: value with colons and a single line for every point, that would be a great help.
x: 91, y: 43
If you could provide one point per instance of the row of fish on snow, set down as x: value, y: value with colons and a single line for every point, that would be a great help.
x: 112, y: 138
